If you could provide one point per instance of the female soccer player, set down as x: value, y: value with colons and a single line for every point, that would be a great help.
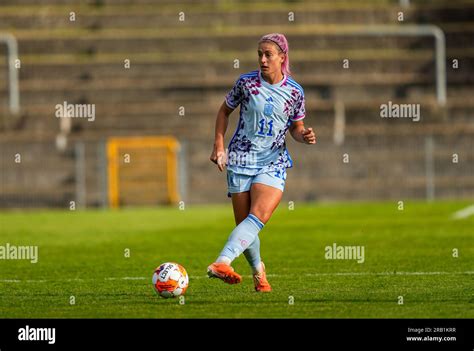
x: 271, y: 103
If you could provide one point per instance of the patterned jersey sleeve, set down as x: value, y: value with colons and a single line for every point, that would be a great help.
x: 299, y: 108
x: 235, y: 96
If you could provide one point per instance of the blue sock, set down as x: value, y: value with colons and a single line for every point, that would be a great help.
x: 252, y: 254
x: 242, y: 237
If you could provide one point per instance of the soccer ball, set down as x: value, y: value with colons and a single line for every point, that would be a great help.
x: 170, y: 280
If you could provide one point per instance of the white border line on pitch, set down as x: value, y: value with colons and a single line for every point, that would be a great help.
x: 249, y: 276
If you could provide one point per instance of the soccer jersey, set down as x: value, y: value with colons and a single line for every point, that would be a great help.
x: 266, y: 112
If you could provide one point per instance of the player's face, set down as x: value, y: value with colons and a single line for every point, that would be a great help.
x: 270, y: 58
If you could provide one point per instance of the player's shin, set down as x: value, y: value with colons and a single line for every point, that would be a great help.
x: 252, y: 254
x: 241, y: 237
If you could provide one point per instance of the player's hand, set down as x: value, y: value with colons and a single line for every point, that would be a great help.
x: 308, y: 136
x: 218, y: 156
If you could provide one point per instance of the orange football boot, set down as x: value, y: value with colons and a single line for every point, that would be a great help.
x: 260, y: 281
x: 224, y: 272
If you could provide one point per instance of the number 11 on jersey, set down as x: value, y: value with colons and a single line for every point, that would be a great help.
x: 265, y: 127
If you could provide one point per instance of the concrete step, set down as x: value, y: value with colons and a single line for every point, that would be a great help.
x: 205, y: 13
x: 95, y: 72
x: 94, y: 43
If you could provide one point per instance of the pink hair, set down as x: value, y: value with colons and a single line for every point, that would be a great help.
x: 282, y: 44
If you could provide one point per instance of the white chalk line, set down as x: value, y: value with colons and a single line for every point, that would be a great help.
x: 386, y: 273
x: 463, y: 213
x: 248, y: 276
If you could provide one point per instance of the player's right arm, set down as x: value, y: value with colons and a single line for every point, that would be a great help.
x: 222, y: 121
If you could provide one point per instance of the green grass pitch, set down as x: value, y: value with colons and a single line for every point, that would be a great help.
x: 82, y: 259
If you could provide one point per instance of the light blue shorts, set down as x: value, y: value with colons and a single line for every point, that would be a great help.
x: 238, y: 183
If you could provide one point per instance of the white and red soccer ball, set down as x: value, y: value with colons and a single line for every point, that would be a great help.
x: 170, y: 280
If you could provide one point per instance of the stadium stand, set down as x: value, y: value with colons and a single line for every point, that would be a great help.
x: 191, y: 64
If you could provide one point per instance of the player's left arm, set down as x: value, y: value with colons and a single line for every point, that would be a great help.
x: 302, y: 134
